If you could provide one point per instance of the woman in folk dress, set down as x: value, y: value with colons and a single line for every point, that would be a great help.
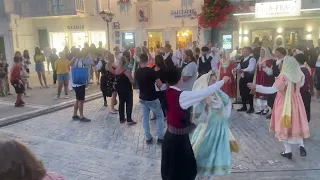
x: 289, y: 120
x: 263, y: 76
x: 225, y: 66
x: 212, y: 141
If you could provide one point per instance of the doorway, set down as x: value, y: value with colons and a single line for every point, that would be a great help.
x: 58, y: 41
x: 129, y: 39
x: 43, y: 38
x: 184, y: 39
x: 2, y: 47
x: 78, y: 39
x: 154, y: 39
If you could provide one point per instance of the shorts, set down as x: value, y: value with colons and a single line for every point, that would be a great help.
x: 63, y: 77
x: 39, y: 67
x: 19, y: 88
x: 80, y: 92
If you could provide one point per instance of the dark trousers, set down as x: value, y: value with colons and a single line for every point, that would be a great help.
x: 54, y: 76
x: 306, y: 98
x: 245, y: 91
x: 125, y: 99
x: 163, y: 101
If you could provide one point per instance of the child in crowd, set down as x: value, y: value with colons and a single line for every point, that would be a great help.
x: 16, y: 80
x: 18, y: 162
x: 307, y: 87
x: 62, y: 68
x: 178, y: 161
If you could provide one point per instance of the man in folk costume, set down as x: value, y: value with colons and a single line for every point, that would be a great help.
x: 280, y: 54
x: 177, y: 160
x: 204, y: 62
x: 289, y: 120
x: 168, y: 55
x: 246, y: 69
x: 263, y: 76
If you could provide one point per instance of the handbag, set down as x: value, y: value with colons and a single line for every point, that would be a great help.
x: 79, y: 74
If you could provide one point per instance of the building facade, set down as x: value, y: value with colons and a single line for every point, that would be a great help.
x: 26, y: 24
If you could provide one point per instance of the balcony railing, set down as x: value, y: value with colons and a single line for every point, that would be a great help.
x: 43, y: 8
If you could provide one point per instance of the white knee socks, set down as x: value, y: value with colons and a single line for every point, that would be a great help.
x: 287, y: 147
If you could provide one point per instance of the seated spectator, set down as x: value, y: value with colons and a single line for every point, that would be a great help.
x: 19, y: 163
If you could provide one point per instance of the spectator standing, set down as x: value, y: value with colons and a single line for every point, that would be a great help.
x: 189, y: 71
x: 110, y: 84
x: 79, y: 89
x: 47, y: 52
x: 18, y: 162
x: 26, y: 64
x: 3, y: 75
x: 168, y: 56
x: 39, y: 58
x: 16, y: 79
x: 62, y: 68
x: 53, y: 58
x: 124, y: 81
x: 147, y: 79
x: 6, y: 84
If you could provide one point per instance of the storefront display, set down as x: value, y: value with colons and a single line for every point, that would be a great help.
x: 293, y: 38
x: 184, y: 38
x: 97, y: 36
x: 78, y: 39
x: 58, y: 40
x: 264, y: 36
x: 154, y: 39
x: 227, y: 42
x: 128, y: 39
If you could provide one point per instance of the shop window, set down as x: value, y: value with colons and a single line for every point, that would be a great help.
x: 154, y: 39
x: 58, y: 41
x: 264, y: 36
x: 78, y: 39
x: 184, y: 39
x: 293, y: 38
x: 129, y: 39
x: 96, y: 37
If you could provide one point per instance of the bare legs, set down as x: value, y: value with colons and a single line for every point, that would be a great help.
x: 41, y: 75
x: 113, y: 101
x: 78, y: 106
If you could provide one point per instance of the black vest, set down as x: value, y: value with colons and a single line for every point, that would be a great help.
x: 204, y: 67
x: 169, y: 61
x: 245, y: 64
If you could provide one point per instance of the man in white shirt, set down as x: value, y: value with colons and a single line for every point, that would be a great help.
x: 246, y: 69
x: 215, y: 58
x: 179, y: 55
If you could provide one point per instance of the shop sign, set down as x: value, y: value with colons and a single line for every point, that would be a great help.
x: 76, y: 27
x: 116, y: 25
x: 278, y: 9
x: 184, y: 13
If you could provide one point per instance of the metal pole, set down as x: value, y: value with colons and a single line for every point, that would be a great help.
x: 108, y: 36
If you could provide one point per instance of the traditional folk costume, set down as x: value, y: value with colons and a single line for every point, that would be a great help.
x: 204, y: 62
x: 212, y: 141
x: 289, y: 120
x: 178, y: 161
x: 247, y: 65
x: 225, y: 66
x: 168, y: 59
x: 263, y: 76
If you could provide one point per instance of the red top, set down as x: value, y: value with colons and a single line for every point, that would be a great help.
x: 308, y: 84
x: 15, y: 73
x: 175, y: 114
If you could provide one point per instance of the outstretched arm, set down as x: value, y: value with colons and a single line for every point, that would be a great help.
x: 188, y: 98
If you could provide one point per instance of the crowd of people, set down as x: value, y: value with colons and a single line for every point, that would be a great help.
x: 193, y: 89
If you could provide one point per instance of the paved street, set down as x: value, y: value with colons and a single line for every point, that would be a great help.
x: 39, y: 99
x: 106, y: 150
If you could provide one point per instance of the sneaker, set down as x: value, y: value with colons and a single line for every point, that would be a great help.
x: 75, y: 117
x: 27, y: 95
x: 149, y: 141
x: 84, y: 119
x: 66, y: 97
x: 159, y: 141
x: 46, y: 86
x: 57, y: 97
x: 18, y: 105
x: 122, y: 121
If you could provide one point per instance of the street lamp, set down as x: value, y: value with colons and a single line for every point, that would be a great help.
x: 107, y: 16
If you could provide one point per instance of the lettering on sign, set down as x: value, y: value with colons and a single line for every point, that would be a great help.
x: 278, y: 9
x: 182, y: 13
x: 75, y: 27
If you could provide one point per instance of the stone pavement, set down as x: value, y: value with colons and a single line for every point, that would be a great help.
x: 107, y: 150
x: 39, y: 99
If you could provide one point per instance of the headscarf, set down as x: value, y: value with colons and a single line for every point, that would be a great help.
x: 267, y: 56
x: 223, y: 64
x: 290, y: 69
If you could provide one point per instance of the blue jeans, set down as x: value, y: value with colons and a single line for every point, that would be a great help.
x: 155, y: 107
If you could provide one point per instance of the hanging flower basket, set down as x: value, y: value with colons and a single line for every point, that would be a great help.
x: 216, y: 13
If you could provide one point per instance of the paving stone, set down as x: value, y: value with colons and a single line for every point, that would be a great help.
x: 107, y: 150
